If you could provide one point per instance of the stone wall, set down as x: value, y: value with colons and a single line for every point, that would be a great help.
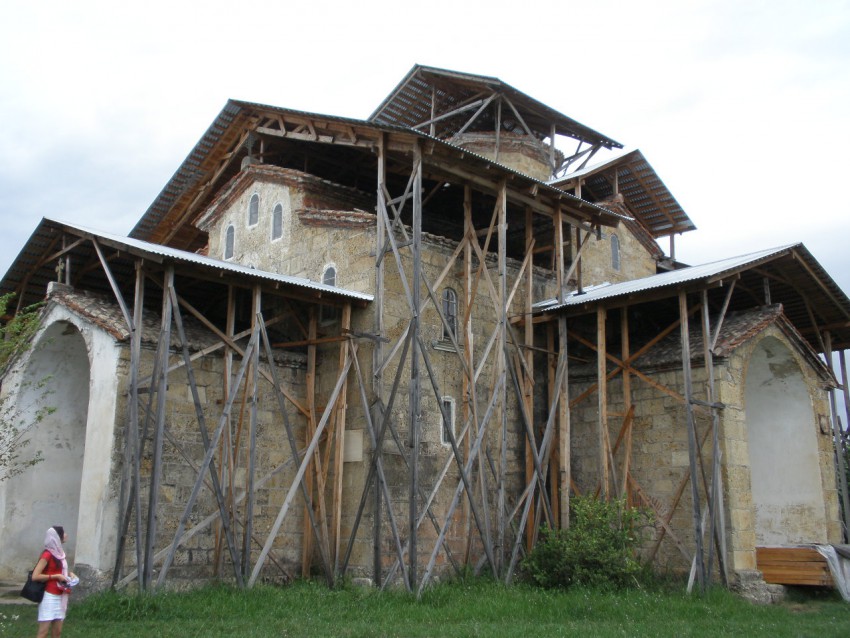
x: 183, y: 451
x: 635, y: 261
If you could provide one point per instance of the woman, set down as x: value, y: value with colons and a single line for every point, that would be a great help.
x: 52, y: 568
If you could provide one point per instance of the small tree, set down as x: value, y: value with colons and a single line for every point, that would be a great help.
x: 599, y: 549
x: 16, y: 338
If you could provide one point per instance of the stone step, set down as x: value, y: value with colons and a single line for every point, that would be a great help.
x: 10, y: 594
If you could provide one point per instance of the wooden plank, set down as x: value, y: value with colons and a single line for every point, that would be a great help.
x: 787, y: 553
x: 793, y: 566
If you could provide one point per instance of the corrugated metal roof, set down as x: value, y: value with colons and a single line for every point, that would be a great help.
x: 710, y: 271
x: 143, y: 248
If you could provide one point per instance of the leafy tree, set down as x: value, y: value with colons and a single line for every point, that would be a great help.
x: 15, y: 421
x: 599, y: 549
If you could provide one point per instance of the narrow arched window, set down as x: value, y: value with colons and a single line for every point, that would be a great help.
x: 615, y: 252
x: 254, y: 210
x: 277, y: 222
x: 447, y: 418
x: 329, y: 276
x: 328, y: 314
x: 229, y: 240
x: 449, y: 303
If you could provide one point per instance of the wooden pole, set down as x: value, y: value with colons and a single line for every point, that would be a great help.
x: 501, y: 359
x: 627, y: 397
x: 342, y: 404
x: 226, y: 445
x: 692, y: 438
x: 415, y: 426
x: 577, y: 265
x: 256, y: 307
x: 716, y: 533
x: 156, y: 467
x: 836, y: 436
x: 377, y: 345
x: 562, y: 389
x: 307, y: 546
x: 131, y: 475
x: 602, y: 400
x: 528, y: 379
x: 469, y: 388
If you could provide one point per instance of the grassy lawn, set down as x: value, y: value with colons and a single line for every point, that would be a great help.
x: 456, y: 609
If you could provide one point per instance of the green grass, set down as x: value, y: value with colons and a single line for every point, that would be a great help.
x: 477, y: 608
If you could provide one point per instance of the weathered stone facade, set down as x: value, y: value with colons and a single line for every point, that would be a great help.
x: 294, y: 239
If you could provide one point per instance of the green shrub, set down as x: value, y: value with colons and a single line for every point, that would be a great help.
x: 598, y: 550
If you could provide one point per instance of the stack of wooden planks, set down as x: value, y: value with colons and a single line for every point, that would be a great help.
x: 793, y: 565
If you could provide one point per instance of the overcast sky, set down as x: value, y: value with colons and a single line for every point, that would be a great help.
x: 742, y: 107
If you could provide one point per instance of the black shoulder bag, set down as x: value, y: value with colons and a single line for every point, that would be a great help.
x: 33, y: 590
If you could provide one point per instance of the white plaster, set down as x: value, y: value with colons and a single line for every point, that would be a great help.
x: 788, y: 500
x: 71, y: 487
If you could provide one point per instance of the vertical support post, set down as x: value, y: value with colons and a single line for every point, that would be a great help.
x: 433, y: 127
x: 415, y: 383
x: 565, y: 464
x: 225, y: 445
x: 602, y: 400
x: 528, y: 379
x: 579, y: 284
x: 256, y: 309
x: 498, y: 127
x: 138, y: 327
x: 502, y: 366
x: 129, y: 498
x: 564, y: 426
x: 468, y: 388
x: 339, y: 432
x: 377, y: 346
x: 716, y: 532
x: 692, y: 438
x: 836, y: 437
x: 625, y: 353
x: 553, y: 167
x: 842, y: 435
x: 307, y: 547
x: 159, y: 433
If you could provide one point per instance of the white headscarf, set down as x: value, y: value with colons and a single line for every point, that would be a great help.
x: 53, y: 544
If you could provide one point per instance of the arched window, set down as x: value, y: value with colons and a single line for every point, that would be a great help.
x: 277, y: 222
x: 615, y: 252
x: 229, y: 239
x: 329, y: 276
x: 254, y: 210
x: 448, y: 404
x: 328, y: 314
x: 450, y: 313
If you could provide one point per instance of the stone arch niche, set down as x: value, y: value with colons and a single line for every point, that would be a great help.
x: 788, y: 501
x: 56, y: 374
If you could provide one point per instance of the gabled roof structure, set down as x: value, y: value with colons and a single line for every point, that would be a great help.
x: 645, y: 195
x: 446, y: 99
x: 343, y: 150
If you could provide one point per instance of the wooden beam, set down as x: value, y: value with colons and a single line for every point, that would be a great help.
x: 692, y: 439
x: 602, y: 403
